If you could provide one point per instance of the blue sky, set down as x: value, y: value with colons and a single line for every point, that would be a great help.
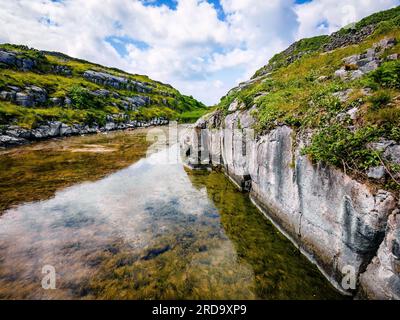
x: 201, y: 47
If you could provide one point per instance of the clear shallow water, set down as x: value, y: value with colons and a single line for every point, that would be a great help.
x: 148, y: 230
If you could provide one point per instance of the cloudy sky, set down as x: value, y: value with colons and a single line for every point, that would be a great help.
x: 202, y: 47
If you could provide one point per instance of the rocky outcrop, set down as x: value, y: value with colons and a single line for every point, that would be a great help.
x: 117, y: 82
x: 33, y: 96
x: 342, y: 39
x: 61, y: 70
x: 382, y: 278
x: 336, y: 221
x: 11, y: 136
x: 133, y: 103
x: 30, y: 96
x: 358, y: 65
x: 13, y: 60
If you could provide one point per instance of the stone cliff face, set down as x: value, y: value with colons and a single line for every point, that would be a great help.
x: 334, y: 100
x: 336, y: 221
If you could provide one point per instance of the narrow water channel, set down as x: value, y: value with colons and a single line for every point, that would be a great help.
x: 117, y: 224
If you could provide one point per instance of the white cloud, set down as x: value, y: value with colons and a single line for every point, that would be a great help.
x: 189, y: 47
x: 327, y: 16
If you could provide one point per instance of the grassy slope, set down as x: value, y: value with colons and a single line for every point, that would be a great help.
x: 295, y: 97
x: 91, y: 109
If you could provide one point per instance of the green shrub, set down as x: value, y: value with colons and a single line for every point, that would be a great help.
x: 380, y: 99
x: 338, y: 145
x: 395, y: 133
x: 187, y: 103
x: 192, y: 116
x: 388, y: 75
x: 80, y: 97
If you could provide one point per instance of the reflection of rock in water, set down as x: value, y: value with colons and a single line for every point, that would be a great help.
x: 151, y: 231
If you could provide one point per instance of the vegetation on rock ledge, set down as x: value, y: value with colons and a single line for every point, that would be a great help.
x: 349, y: 97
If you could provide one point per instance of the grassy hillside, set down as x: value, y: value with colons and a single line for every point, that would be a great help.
x: 302, y: 87
x: 72, y: 98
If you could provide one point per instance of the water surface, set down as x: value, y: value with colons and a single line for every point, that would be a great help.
x: 118, y: 225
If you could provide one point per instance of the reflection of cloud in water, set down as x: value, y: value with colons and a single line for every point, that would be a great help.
x: 126, y: 208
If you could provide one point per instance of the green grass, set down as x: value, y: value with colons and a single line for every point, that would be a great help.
x: 379, y: 17
x: 166, y: 101
x: 303, y: 46
x: 192, y: 116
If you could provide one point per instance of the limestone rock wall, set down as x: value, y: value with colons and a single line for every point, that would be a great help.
x: 382, y: 278
x: 336, y: 221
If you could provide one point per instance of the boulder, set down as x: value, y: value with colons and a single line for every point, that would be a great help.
x: 110, y: 126
x: 65, y: 130
x: 62, y: 70
x: 14, y: 88
x: 392, y: 153
x: 381, y: 145
x: 377, y: 173
x: 49, y: 130
x: 26, y: 64
x: 117, y: 82
x: 12, y: 60
x: 8, y: 95
x: 18, y: 132
x: 39, y: 95
x: 101, y: 93
x: 8, y: 141
x: 366, y: 62
x: 135, y: 102
x: 341, y: 73
x: 8, y: 58
x: 370, y: 66
x: 356, y: 74
x: 352, y: 60
x: 353, y: 113
x: 392, y: 57
x: 58, y: 102
x: 343, y: 96
x: 24, y: 99
x: 385, y: 43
